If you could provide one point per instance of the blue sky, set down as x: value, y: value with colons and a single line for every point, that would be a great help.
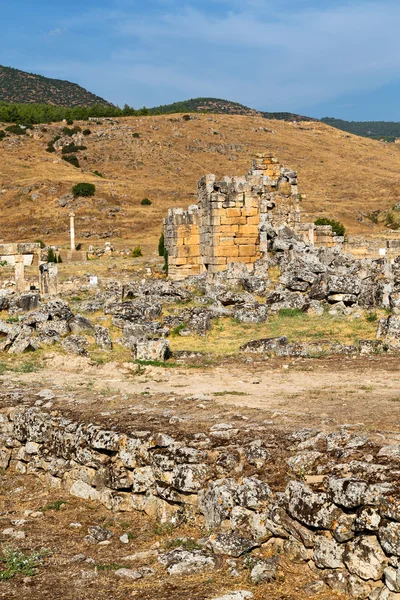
x: 319, y: 58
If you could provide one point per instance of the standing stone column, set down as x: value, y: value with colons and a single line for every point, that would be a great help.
x: 19, y: 273
x: 48, y: 279
x: 72, y: 229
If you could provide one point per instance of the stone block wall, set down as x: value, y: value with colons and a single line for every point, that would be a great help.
x: 230, y: 221
x: 338, y: 512
x: 182, y: 239
x: 29, y: 251
x: 324, y: 236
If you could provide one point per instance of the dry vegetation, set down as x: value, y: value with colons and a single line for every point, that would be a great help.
x: 342, y: 175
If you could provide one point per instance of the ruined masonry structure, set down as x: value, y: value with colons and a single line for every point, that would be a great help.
x: 230, y: 221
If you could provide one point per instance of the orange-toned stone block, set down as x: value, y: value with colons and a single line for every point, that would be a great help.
x: 253, y: 220
x: 248, y: 230
x: 231, y: 229
x: 249, y: 211
x: 248, y: 250
x: 246, y: 241
x: 241, y: 220
x: 226, y: 251
x: 233, y: 212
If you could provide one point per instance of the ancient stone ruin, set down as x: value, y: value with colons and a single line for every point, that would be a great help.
x: 229, y: 223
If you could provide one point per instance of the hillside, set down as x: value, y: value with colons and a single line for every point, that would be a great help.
x: 222, y: 107
x: 162, y: 157
x: 387, y: 130
x: 19, y: 86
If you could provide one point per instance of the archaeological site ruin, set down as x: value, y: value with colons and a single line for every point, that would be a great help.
x: 215, y: 421
x: 229, y: 223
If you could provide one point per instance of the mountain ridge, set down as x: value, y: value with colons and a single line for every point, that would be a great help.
x: 17, y: 86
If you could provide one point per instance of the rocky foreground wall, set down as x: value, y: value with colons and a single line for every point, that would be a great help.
x: 343, y: 519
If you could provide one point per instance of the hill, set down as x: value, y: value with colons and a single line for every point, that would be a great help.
x: 19, y: 86
x: 161, y: 158
x: 386, y: 130
x: 222, y: 107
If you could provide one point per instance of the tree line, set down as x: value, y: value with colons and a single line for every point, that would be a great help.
x: 31, y: 114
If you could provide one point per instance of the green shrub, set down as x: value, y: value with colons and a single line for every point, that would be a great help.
x: 72, y: 159
x: 98, y: 173
x: 392, y: 220
x: 136, y: 252
x: 84, y: 189
x: 371, y: 317
x: 186, y: 117
x: 51, y: 256
x: 337, y: 227
x: 136, y: 135
x: 72, y: 148
x: 70, y: 122
x: 86, y: 132
x: 145, y: 202
x: 70, y: 132
x: 59, y: 258
x: 16, y: 562
x: 50, y: 148
x: 165, y: 267
x: 161, y: 246
x: 41, y: 243
x: 16, y: 130
x: 2, y: 134
x: 78, y: 246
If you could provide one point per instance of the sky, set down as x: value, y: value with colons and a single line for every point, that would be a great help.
x: 313, y: 57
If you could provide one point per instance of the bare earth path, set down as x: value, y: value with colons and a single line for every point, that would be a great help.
x: 335, y: 390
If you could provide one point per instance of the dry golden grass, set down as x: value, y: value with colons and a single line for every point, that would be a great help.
x: 341, y: 174
x: 227, y: 335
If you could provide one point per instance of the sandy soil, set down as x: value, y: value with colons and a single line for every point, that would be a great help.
x: 333, y: 391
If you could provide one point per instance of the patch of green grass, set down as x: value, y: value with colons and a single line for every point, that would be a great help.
x: 57, y: 505
x: 28, y: 367
x: 290, y: 312
x: 175, y: 331
x: 371, y: 317
x: 163, y: 529
x: 109, y: 567
x: 17, y: 562
x: 155, y: 363
x: 185, y: 543
x: 12, y: 320
x: 230, y: 393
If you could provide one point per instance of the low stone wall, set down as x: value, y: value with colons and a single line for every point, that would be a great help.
x: 343, y: 519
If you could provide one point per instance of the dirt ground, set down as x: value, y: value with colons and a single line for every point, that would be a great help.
x: 55, y: 526
x: 292, y: 392
x: 270, y: 395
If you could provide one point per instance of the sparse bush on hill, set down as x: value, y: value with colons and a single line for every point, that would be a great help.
x: 70, y: 122
x: 86, y: 132
x: 72, y: 148
x: 2, y: 134
x: 72, y: 159
x: 41, y: 242
x: 145, y: 202
x: 337, y: 227
x: 136, y: 135
x: 16, y: 130
x: 98, y: 173
x: 84, y: 189
x: 50, y: 148
x: 70, y: 132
